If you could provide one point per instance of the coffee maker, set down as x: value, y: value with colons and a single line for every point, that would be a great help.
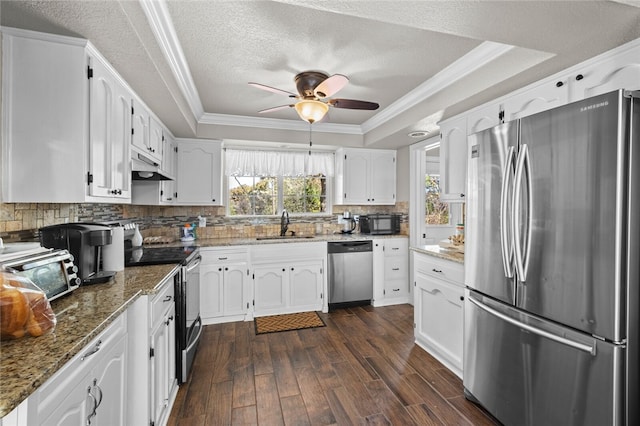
x: 84, y: 241
x: 348, y: 223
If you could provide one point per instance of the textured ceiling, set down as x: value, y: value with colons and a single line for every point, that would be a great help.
x: 420, y: 60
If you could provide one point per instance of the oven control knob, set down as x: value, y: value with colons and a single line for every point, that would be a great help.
x: 72, y: 269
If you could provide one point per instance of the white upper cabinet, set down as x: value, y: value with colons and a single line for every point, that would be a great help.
x: 365, y: 176
x: 541, y: 97
x: 483, y: 118
x: 156, y: 139
x: 54, y: 150
x: 109, y: 133
x: 140, y: 134
x: 453, y: 159
x: 199, y: 173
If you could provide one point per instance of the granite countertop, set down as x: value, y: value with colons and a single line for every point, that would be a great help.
x: 442, y: 253
x: 27, y: 363
x: 87, y: 311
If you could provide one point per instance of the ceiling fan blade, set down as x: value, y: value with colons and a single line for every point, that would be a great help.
x: 330, y: 86
x: 275, y: 109
x: 273, y: 90
x: 353, y: 104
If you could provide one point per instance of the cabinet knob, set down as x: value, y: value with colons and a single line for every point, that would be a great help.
x: 461, y: 297
x: 292, y: 269
x: 226, y: 269
x: 461, y: 195
x: 214, y: 200
x: 579, y: 77
x: 559, y: 84
x: 219, y: 269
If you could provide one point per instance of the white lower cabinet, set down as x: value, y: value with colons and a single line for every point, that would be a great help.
x: 391, y: 271
x: 288, y: 278
x: 224, y: 284
x: 91, y: 389
x: 152, y: 383
x: 439, y: 309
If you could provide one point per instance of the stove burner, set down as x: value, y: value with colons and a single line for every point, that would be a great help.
x: 157, y: 255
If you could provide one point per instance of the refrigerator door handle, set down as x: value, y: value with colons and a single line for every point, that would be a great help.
x: 522, y: 257
x: 590, y: 349
x: 506, y: 244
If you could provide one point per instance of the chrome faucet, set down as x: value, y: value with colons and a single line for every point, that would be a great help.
x: 284, y: 223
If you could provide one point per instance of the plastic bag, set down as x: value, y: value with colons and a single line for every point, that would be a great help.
x: 24, y: 308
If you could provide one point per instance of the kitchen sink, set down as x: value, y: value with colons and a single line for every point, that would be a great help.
x: 286, y: 237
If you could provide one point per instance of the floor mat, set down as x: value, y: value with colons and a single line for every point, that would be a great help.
x: 287, y: 322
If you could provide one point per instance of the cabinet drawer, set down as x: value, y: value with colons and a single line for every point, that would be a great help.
x: 396, y: 247
x: 395, y: 268
x: 232, y: 255
x: 439, y: 268
x: 162, y: 302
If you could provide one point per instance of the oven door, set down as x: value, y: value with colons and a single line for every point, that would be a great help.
x: 189, y: 324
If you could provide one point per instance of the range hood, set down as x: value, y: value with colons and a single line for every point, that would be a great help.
x: 144, y: 168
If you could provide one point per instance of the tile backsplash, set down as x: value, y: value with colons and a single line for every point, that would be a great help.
x: 21, y: 221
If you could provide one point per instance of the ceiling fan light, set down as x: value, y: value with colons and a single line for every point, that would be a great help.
x: 311, y: 111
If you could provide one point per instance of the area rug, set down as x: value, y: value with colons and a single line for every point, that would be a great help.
x: 287, y: 322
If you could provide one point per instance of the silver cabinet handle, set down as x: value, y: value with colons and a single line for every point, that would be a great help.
x: 92, y: 351
x: 167, y: 299
x: 92, y: 399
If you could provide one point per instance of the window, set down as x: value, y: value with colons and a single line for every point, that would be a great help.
x: 436, y: 212
x: 262, y: 183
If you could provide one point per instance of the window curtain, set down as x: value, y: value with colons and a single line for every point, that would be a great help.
x: 278, y: 163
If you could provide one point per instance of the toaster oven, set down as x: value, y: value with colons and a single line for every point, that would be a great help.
x: 53, y: 271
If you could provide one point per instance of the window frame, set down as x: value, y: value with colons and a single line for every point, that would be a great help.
x: 280, y: 207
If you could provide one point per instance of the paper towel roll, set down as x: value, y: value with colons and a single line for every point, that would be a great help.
x: 113, y: 254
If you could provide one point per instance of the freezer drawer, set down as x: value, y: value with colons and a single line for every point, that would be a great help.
x: 527, y: 371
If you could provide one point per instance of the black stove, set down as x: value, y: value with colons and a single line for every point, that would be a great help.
x: 158, y: 255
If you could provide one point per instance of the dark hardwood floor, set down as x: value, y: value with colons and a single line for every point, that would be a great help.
x: 362, y: 368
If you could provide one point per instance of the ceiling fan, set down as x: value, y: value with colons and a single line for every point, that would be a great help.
x: 314, y: 88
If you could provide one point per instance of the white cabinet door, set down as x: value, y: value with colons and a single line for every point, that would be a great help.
x: 91, y: 388
x: 305, y: 285
x: 110, y: 378
x: 356, y: 177
x: 110, y: 130
x: 607, y: 76
x: 542, y: 97
x: 438, y: 308
x: 156, y: 139
x: 483, y: 118
x: 270, y: 289
x: 365, y: 176
x: 234, y: 294
x: 211, y: 286
x: 141, y: 132
x: 382, y: 176
x: 168, y: 188
x: 453, y: 159
x: 163, y: 376
x: 199, y: 172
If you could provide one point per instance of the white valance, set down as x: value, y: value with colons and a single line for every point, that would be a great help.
x: 278, y: 163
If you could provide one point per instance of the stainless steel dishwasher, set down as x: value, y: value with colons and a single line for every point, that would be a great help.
x: 350, y: 273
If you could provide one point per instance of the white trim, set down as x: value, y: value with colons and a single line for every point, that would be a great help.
x: 36, y: 35
x: 278, y: 123
x: 162, y: 27
x: 469, y: 63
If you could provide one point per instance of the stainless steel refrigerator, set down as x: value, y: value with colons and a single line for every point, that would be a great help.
x: 552, y: 265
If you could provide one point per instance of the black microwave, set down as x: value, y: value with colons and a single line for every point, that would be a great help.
x: 380, y: 224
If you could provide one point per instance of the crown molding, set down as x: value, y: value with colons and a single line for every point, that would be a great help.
x: 475, y: 59
x: 277, y: 124
x: 164, y: 31
x: 162, y: 27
